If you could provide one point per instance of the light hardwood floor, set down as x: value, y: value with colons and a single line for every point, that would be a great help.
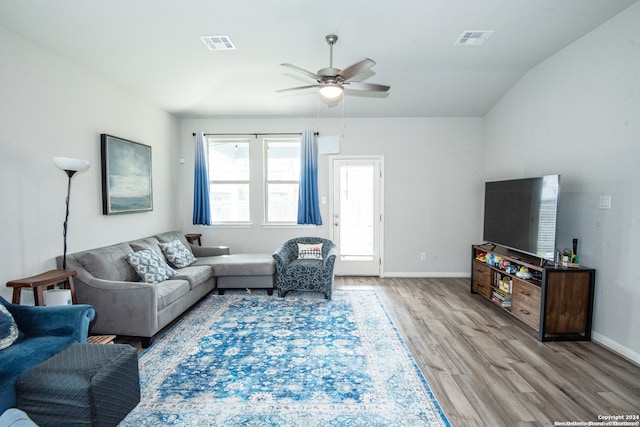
x: 486, y: 369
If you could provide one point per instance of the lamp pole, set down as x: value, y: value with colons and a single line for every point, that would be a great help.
x: 70, y: 173
x: 70, y: 167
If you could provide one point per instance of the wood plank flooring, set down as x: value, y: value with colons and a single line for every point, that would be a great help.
x: 487, y: 369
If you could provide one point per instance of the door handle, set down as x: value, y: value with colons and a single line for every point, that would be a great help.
x: 336, y: 224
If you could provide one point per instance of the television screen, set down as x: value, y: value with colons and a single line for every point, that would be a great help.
x: 521, y: 214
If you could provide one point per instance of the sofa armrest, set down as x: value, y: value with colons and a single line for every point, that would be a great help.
x: 122, y: 307
x: 205, y: 251
x: 63, y: 320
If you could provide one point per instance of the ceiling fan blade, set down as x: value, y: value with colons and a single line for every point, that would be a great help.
x: 297, y: 88
x: 302, y: 70
x: 357, y: 68
x: 366, y: 86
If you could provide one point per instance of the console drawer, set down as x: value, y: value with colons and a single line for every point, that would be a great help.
x: 481, y: 282
x: 525, y: 304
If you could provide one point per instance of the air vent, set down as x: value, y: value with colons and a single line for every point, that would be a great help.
x: 218, y: 42
x: 473, y: 38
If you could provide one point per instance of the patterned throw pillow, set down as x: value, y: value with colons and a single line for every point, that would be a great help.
x: 177, y: 254
x: 149, y: 267
x: 310, y: 251
x: 8, y: 329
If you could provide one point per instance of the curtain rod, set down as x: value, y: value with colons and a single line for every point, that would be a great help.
x: 255, y: 134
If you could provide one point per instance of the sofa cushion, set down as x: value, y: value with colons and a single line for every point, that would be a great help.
x: 170, y: 236
x: 149, y: 266
x: 196, y: 275
x: 240, y: 264
x: 8, y: 329
x: 147, y: 243
x: 171, y: 291
x: 109, y: 263
x: 177, y: 254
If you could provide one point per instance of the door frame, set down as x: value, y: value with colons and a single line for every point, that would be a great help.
x: 379, y: 158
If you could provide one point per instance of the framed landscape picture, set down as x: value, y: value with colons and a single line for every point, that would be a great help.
x: 126, y: 176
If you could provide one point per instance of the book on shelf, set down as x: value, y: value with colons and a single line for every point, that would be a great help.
x: 501, y: 299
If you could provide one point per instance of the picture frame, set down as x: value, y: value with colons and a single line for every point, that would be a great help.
x: 126, y: 176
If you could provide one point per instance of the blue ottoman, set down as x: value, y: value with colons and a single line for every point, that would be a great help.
x: 83, y: 385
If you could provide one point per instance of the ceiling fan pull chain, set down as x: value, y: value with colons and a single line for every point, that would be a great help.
x: 318, y: 99
x: 344, y: 125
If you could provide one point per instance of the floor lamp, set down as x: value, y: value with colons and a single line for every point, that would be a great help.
x: 70, y: 167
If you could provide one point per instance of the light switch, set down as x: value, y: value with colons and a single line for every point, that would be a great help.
x: 323, y: 200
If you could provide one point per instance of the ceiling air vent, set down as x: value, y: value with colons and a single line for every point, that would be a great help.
x: 473, y: 38
x: 218, y: 42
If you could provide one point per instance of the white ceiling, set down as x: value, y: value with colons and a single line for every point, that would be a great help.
x: 152, y: 48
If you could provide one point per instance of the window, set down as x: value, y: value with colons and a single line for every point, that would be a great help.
x: 229, y: 179
x: 282, y: 177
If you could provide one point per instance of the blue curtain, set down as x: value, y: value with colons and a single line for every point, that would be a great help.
x: 201, y: 206
x: 308, y: 206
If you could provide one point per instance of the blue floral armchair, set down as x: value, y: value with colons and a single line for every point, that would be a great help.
x: 297, y: 274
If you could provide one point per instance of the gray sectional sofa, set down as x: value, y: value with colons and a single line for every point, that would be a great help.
x: 126, y: 306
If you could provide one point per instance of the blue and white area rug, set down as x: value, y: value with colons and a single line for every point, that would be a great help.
x: 252, y: 360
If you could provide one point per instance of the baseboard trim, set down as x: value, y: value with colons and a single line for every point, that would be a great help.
x: 426, y: 275
x: 615, y: 347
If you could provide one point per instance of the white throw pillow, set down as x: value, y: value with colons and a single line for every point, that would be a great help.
x: 310, y: 251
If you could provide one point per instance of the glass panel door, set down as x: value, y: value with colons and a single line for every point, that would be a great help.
x: 356, y: 215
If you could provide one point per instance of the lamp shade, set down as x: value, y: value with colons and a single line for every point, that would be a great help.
x: 331, y: 90
x: 69, y: 164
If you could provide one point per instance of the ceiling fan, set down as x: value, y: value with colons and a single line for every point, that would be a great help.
x: 332, y: 81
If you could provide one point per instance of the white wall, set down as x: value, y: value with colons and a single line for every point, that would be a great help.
x: 432, y: 187
x: 50, y: 107
x: 578, y: 114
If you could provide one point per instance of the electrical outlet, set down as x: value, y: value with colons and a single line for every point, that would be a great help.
x: 605, y: 202
x: 423, y: 256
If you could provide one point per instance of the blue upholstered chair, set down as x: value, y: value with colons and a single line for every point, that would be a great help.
x: 45, y: 331
x: 293, y: 273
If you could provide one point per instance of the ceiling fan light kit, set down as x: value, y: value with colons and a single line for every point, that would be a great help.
x: 332, y: 81
x: 331, y: 90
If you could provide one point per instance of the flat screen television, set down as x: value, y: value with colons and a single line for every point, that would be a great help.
x: 520, y: 214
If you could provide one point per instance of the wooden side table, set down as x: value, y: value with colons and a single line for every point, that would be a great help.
x: 193, y: 237
x: 101, y: 339
x: 41, y: 282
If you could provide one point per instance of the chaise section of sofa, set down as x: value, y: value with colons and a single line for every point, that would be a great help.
x: 232, y: 271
